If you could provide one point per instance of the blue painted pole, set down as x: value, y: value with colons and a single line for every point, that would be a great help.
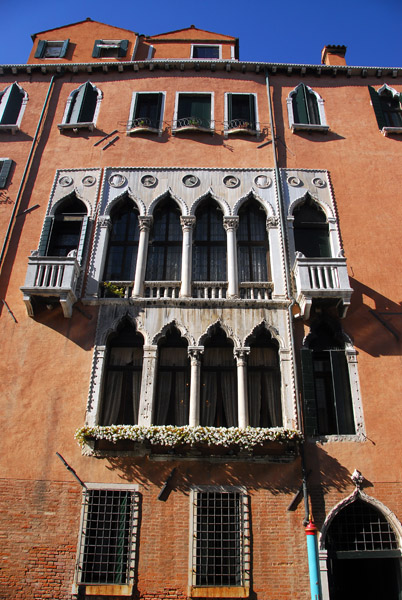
x: 313, y: 563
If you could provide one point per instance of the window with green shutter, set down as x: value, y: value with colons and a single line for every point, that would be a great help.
x: 5, y: 168
x: 147, y: 110
x: 51, y: 49
x: 387, y: 105
x: 241, y: 111
x: 11, y: 103
x: 194, y: 110
x: 110, y: 48
x: 305, y: 107
x: 82, y: 107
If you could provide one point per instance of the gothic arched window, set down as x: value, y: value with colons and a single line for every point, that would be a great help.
x: 123, y: 243
x: 252, y: 241
x: 209, y: 251
x: 165, y: 244
x: 311, y: 231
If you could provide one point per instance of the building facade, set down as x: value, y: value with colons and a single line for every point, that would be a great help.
x: 201, y: 321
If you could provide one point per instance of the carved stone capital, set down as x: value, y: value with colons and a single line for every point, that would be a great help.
x: 230, y: 223
x: 106, y: 222
x: 145, y: 223
x: 194, y: 353
x: 241, y: 355
x: 187, y: 222
x: 272, y: 222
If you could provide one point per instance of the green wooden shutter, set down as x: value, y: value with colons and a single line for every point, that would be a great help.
x: 5, y: 167
x: 341, y: 387
x: 88, y: 104
x: 40, y: 50
x: 64, y: 48
x: 309, y: 401
x: 13, y: 106
x: 230, y: 108
x: 299, y: 105
x: 96, y: 51
x: 251, y: 102
x: 81, y: 245
x: 75, y: 108
x: 375, y: 99
x: 123, y: 48
x: 159, y: 110
x: 45, y: 236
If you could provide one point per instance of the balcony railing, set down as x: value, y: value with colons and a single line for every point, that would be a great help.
x: 193, y: 124
x: 214, y: 290
x: 51, y: 277
x: 162, y: 289
x: 143, y: 124
x: 322, y: 278
x: 253, y: 290
x: 241, y: 126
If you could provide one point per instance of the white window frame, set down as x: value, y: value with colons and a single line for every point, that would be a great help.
x: 228, y: 131
x: 322, y: 126
x: 219, y: 46
x: 387, y: 130
x: 84, y: 125
x: 145, y: 128
x: 241, y: 591
x: 108, y: 589
x: 13, y: 127
x: 176, y: 129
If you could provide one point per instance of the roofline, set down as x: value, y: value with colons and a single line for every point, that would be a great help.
x: 87, y: 20
x: 191, y: 27
x: 197, y: 65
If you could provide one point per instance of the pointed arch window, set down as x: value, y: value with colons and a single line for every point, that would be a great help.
x: 65, y: 231
x: 218, y: 382
x: 173, y: 380
x: 263, y: 381
x: 328, y: 408
x: 123, y: 243
x: 387, y: 104
x: 122, y: 384
x: 209, y: 251
x: 311, y: 230
x: 252, y: 240
x: 306, y: 109
x: 12, y: 105
x: 165, y: 245
x: 364, y: 559
x: 82, y: 107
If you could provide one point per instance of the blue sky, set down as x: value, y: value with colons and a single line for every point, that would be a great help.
x: 291, y: 31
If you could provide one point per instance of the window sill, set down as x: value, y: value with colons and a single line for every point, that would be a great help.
x: 391, y: 130
x: 104, y: 590
x: 75, y: 126
x: 11, y: 128
x: 143, y: 129
x: 309, y: 127
x: 219, y: 592
x: 192, y: 129
x: 242, y: 131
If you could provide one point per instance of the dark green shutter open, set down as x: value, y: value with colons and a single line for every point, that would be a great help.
x: 299, y: 105
x: 251, y: 101
x: 83, y: 105
x: 123, y: 48
x: 341, y: 387
x: 5, y: 166
x: 96, y: 51
x: 45, y: 236
x: 40, y: 50
x: 81, y: 245
x: 375, y: 99
x: 230, y: 108
x: 309, y: 401
x: 64, y: 48
x: 13, y: 106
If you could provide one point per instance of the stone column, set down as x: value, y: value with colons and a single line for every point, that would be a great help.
x: 231, y: 224
x: 145, y: 225
x: 242, y: 399
x: 148, y: 386
x: 276, y: 266
x: 187, y: 224
x: 195, y: 379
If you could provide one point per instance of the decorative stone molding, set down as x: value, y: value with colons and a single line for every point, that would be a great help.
x: 272, y: 223
x: 187, y: 222
x: 145, y: 223
x: 105, y: 221
x: 230, y: 223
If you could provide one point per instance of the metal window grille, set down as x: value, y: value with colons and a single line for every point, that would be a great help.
x: 360, y: 527
x: 220, y: 548
x: 107, y: 543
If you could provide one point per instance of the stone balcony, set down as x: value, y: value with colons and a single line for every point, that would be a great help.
x: 51, y: 278
x: 323, y: 279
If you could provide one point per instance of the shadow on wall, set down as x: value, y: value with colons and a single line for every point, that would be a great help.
x: 376, y: 326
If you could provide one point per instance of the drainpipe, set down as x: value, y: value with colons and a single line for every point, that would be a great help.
x: 24, y: 176
x: 313, y: 563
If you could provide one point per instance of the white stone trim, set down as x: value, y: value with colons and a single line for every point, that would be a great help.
x: 257, y: 130
x: 13, y: 127
x: 144, y: 129
x: 219, y: 46
x: 193, y: 93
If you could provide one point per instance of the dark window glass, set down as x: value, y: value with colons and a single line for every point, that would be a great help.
x: 121, y: 391
x: 209, y: 251
x: 165, y: 245
x: 173, y: 387
x: 194, y: 109
x: 67, y: 225
x: 218, y: 382
x: 311, y: 232
x: 253, y: 250
x: 205, y: 51
x: 219, y: 533
x: 241, y: 111
x: 147, y: 111
x: 123, y: 243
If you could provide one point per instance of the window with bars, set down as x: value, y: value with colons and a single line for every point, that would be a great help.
x: 108, y: 537
x: 221, y: 539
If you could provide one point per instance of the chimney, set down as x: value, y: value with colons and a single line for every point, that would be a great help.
x: 333, y: 55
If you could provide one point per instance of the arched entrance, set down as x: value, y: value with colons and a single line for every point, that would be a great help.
x: 363, y: 554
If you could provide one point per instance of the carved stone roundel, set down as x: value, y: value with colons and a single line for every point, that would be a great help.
x: 318, y: 182
x: 88, y: 180
x: 117, y: 180
x: 262, y: 181
x: 149, y: 181
x: 231, y: 181
x: 294, y: 181
x: 190, y: 180
x: 65, y: 181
